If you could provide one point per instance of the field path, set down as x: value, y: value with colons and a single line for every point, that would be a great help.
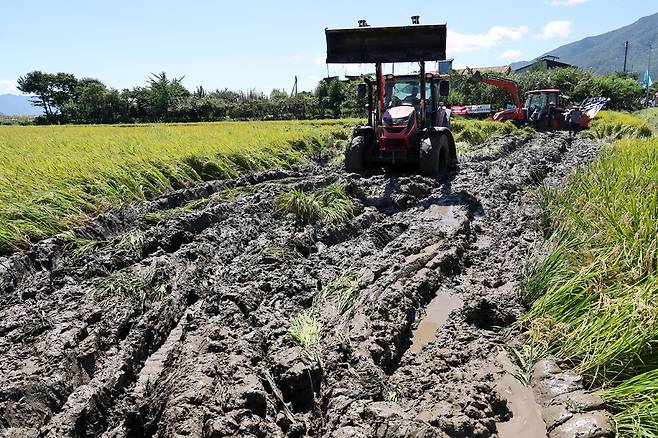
x: 174, y: 323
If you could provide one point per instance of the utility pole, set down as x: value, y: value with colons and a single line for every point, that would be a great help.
x: 293, y: 93
x: 648, y: 72
x: 625, y: 55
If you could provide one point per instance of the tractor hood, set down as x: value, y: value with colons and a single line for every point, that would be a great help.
x: 398, y: 115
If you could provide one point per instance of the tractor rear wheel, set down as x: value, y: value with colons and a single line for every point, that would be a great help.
x: 355, y: 154
x: 435, y: 156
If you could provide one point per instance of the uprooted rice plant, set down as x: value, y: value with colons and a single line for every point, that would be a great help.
x: 331, y: 204
x: 126, y: 286
x: 341, y: 292
x: 53, y: 177
x: 305, y: 330
x: 599, y: 308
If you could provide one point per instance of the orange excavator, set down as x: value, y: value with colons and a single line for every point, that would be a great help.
x: 543, y: 109
x: 515, y: 114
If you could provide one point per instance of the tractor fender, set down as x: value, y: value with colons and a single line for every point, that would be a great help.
x: 365, y: 131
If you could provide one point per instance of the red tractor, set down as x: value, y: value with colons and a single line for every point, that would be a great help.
x: 543, y: 109
x: 406, y: 124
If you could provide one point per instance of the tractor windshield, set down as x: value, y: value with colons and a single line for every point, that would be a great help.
x: 539, y: 100
x: 405, y: 92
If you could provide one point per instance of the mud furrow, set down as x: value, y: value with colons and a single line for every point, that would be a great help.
x: 201, y: 349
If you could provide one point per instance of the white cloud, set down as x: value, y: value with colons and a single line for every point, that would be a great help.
x: 566, y: 2
x: 556, y: 29
x: 309, y: 83
x: 297, y: 57
x: 459, y: 42
x: 321, y: 59
x: 511, y: 54
x: 8, y: 87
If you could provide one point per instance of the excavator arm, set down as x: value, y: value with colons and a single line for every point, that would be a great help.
x: 507, y: 84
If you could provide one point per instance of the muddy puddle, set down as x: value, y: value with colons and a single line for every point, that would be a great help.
x: 436, y: 315
x: 445, y: 213
x: 526, y: 417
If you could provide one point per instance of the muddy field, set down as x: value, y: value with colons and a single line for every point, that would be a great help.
x: 171, y: 321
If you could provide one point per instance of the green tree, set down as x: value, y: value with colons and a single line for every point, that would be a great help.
x: 164, y: 93
x: 52, y: 91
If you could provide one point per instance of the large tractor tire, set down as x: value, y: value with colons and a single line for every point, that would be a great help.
x: 435, y: 156
x: 355, y: 154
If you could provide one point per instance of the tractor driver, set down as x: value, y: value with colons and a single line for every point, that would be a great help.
x: 412, y: 99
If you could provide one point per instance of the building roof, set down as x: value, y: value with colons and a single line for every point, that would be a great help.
x: 544, y: 63
x: 500, y: 69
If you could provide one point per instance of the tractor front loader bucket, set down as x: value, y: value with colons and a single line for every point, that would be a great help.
x: 365, y: 45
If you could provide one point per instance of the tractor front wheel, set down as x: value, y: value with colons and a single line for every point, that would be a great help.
x: 355, y: 154
x: 435, y: 156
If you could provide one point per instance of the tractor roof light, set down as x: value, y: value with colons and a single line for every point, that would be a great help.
x: 429, y: 75
x: 389, y: 77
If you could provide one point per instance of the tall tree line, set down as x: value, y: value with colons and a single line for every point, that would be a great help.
x: 67, y: 99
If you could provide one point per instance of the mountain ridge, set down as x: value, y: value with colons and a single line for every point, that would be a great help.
x: 604, y: 53
x: 17, y: 105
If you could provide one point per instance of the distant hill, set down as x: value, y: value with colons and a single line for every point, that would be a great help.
x: 605, y: 53
x: 12, y: 105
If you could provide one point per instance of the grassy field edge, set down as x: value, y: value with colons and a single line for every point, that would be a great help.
x: 594, y: 298
x: 53, y: 178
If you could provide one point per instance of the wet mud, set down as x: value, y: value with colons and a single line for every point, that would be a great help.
x: 171, y: 318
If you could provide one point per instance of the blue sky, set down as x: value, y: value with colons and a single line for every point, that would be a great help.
x: 264, y: 44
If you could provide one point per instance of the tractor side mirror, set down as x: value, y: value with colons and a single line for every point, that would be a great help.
x: 444, y: 88
x: 362, y: 90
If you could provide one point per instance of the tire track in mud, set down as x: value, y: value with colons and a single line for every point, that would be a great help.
x: 211, y: 358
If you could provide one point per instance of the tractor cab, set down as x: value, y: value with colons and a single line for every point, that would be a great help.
x: 545, y: 109
x: 540, y: 99
x: 405, y: 113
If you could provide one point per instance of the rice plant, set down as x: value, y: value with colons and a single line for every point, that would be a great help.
x: 331, y: 205
x: 305, y: 330
x: 82, y: 245
x: 395, y: 392
x: 53, y: 178
x: 636, y: 403
x: 233, y: 193
x: 122, y: 285
x: 539, y: 275
x: 597, y: 296
x: 475, y: 132
x: 525, y: 359
x: 617, y: 125
x: 649, y: 115
x: 281, y: 252
x: 132, y: 241
x: 340, y: 292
